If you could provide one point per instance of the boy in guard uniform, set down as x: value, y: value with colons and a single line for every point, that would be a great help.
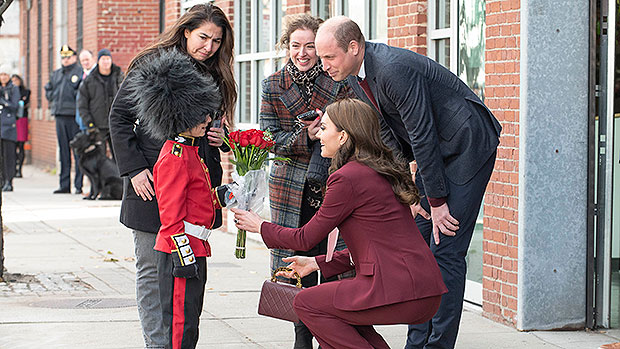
x: 175, y: 103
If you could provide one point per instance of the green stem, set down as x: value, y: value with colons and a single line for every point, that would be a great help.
x: 240, y: 248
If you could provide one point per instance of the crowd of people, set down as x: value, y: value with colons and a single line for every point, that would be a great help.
x: 80, y: 95
x: 390, y: 245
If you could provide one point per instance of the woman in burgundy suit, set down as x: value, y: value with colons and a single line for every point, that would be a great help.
x: 368, y: 197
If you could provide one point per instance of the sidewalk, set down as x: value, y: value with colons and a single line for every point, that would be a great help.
x: 70, y: 273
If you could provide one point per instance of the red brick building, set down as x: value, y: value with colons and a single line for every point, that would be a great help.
x: 480, y: 41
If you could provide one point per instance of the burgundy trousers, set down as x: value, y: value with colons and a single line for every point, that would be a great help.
x: 335, y: 328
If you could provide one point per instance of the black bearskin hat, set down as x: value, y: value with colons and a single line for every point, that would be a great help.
x: 170, y: 95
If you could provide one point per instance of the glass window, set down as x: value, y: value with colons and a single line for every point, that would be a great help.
x: 264, y: 25
x: 245, y: 92
x: 244, y: 26
x: 471, y: 45
x: 442, y: 52
x: 257, y: 32
x: 370, y: 15
x: 456, y: 41
x: 442, y: 15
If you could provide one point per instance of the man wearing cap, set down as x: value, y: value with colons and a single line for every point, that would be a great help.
x: 97, y: 94
x: 61, y: 91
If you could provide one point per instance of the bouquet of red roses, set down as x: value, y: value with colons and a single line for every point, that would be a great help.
x: 250, y: 150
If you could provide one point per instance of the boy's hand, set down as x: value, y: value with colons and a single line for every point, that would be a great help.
x: 183, y: 259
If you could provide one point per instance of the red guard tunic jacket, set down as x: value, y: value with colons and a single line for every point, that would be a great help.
x: 392, y: 261
x: 183, y: 191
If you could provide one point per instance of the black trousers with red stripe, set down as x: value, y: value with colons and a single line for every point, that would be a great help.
x: 181, y: 302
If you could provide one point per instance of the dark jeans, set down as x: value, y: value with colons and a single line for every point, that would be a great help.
x: 464, y: 202
x: 20, y: 156
x: 8, y: 152
x: 66, y: 129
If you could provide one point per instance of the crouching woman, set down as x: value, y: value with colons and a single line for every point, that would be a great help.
x: 368, y: 197
x: 175, y: 102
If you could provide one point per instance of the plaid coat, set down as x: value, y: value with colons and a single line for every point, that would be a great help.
x: 281, y: 103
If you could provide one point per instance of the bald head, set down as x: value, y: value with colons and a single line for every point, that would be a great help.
x: 343, y: 30
x: 340, y: 44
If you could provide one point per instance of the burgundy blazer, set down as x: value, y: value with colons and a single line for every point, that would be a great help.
x: 393, y: 264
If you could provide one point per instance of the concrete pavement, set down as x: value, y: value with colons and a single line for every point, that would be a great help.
x: 69, y: 283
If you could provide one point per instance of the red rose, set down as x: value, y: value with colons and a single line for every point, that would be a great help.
x: 244, y: 139
x: 233, y: 137
x: 255, y: 139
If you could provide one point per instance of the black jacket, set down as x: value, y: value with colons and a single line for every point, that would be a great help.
x: 96, y: 97
x: 62, y: 89
x: 9, y: 99
x: 135, y: 151
x: 430, y: 115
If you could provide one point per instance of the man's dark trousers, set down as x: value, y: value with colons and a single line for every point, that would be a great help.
x: 66, y: 129
x: 464, y: 202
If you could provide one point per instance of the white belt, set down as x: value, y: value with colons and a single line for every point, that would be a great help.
x: 197, y: 231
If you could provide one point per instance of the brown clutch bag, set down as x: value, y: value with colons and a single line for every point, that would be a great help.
x: 276, y: 299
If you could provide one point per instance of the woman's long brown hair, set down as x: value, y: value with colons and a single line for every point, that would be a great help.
x: 219, y: 65
x: 364, y: 145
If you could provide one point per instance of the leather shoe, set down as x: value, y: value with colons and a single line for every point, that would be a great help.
x: 78, y: 191
x: 7, y: 187
x: 62, y: 191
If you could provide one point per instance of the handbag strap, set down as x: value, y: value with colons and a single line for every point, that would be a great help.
x: 274, y: 279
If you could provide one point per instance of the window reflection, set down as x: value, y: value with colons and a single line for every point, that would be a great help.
x: 264, y: 26
x: 245, y: 31
x: 442, y: 52
x: 471, y: 44
x: 245, y: 92
x: 442, y: 14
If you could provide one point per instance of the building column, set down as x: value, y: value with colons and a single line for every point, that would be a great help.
x: 553, y: 150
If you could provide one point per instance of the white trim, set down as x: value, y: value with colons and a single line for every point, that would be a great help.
x: 445, y: 33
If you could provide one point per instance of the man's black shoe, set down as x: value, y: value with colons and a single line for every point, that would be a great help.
x: 62, y: 191
x: 7, y: 187
x: 78, y: 191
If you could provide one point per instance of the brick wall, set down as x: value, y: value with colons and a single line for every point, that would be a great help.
x: 407, y: 24
x: 501, y: 202
x: 126, y: 26
x: 123, y: 26
x: 297, y: 6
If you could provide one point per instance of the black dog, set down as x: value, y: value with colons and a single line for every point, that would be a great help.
x: 100, y: 170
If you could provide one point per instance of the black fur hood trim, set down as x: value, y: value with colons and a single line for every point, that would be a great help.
x: 170, y: 95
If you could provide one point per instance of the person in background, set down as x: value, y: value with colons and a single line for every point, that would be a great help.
x: 61, y: 91
x: 300, y: 86
x: 97, y: 93
x: 88, y: 65
x: 429, y: 115
x: 9, y: 104
x: 21, y: 124
x: 368, y: 195
x: 204, y: 34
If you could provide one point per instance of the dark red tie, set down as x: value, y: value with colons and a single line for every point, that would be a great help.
x: 368, y: 92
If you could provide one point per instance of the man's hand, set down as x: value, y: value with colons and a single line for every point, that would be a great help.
x: 443, y: 222
x: 215, y: 135
x: 302, y: 265
x: 142, y: 185
x: 418, y: 210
